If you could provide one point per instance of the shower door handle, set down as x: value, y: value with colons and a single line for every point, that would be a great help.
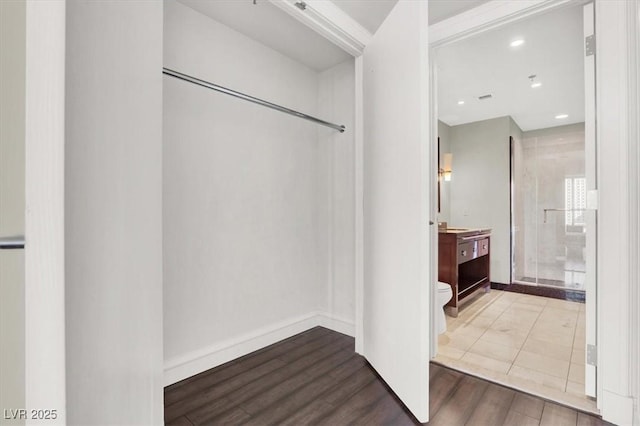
x: 8, y: 243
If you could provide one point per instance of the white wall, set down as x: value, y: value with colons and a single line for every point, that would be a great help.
x: 12, y: 199
x: 445, y: 148
x: 113, y: 212
x: 480, y: 186
x: 337, y: 155
x: 252, y: 197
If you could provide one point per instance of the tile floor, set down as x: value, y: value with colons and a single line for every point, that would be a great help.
x: 531, y: 343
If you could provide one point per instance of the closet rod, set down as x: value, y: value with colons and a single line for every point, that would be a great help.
x: 258, y: 101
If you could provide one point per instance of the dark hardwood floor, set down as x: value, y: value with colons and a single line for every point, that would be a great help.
x: 316, y: 378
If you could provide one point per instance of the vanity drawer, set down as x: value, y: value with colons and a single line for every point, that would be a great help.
x: 483, y: 247
x: 466, y: 251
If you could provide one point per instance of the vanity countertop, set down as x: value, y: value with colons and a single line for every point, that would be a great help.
x: 465, y: 232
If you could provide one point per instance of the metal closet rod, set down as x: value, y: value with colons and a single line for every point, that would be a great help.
x: 258, y: 101
x: 8, y: 243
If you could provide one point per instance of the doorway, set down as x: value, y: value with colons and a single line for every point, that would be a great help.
x: 526, y: 108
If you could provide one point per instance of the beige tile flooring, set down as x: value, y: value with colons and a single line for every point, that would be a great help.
x: 535, y: 344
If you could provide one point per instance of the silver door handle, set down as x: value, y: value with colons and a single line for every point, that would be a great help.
x: 7, y: 243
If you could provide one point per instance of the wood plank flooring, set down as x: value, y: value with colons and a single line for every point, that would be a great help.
x: 316, y: 378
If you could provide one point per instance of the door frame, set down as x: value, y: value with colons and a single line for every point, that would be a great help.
x: 45, y: 351
x: 618, y: 40
x: 617, y: 29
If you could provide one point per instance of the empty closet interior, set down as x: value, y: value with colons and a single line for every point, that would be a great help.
x: 258, y: 205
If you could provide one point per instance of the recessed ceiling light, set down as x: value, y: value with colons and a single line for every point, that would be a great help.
x: 561, y: 116
x: 518, y: 42
x: 536, y: 85
x: 460, y: 102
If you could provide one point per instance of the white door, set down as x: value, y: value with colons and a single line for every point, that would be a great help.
x: 590, y: 216
x: 396, y: 205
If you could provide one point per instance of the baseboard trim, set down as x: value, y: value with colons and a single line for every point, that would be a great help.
x: 616, y: 409
x: 341, y: 325
x: 192, y: 363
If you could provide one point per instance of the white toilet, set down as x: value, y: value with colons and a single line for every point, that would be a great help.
x: 444, y: 295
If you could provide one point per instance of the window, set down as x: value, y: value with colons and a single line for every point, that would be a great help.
x: 575, y: 200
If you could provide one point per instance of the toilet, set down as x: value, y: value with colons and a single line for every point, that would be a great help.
x: 444, y: 295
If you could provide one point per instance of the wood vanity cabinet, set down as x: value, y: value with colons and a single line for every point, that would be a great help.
x: 463, y: 263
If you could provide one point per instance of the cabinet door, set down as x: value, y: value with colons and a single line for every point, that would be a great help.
x: 396, y: 296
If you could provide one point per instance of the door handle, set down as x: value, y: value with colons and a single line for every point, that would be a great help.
x: 8, y: 243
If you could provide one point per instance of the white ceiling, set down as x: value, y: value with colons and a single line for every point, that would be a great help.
x: 371, y: 13
x: 440, y: 10
x: 274, y: 28
x: 368, y: 13
x: 553, y: 50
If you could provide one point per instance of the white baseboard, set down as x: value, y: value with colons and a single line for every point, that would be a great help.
x: 195, y: 362
x: 341, y: 325
x: 617, y: 409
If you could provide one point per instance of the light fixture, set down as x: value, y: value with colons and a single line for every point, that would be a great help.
x: 460, y: 102
x: 561, y: 116
x: 516, y: 43
x: 445, y: 171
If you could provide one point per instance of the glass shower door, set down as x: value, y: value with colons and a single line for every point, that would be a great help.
x: 548, y: 209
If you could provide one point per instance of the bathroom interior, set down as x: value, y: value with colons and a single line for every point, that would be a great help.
x: 513, y: 181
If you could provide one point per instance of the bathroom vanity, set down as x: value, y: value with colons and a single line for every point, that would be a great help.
x: 463, y: 263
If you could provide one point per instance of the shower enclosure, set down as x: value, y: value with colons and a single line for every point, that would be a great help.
x: 548, y: 202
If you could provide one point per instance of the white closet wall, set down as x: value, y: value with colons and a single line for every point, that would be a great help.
x: 337, y: 104
x: 247, y: 219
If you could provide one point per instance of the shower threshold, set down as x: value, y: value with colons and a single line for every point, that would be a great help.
x: 562, y: 293
x: 576, y: 286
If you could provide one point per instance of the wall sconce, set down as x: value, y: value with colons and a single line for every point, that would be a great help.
x: 445, y: 171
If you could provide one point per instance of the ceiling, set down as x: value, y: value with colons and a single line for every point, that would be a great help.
x: 440, y: 10
x: 371, y: 13
x: 274, y: 28
x: 553, y: 50
x: 466, y: 69
x: 368, y: 13
x: 281, y: 32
